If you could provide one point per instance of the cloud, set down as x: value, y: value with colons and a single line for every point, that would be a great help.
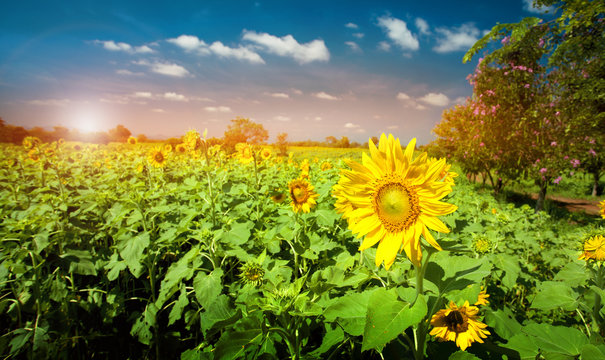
x: 351, y: 25
x: 287, y: 46
x: 158, y: 110
x: 240, y: 53
x: 122, y: 46
x: 384, y: 46
x: 435, y: 99
x: 359, y: 35
x: 280, y: 95
x: 528, y: 5
x: 351, y: 126
x: 459, y: 100
x: 456, y: 39
x: 393, y: 127
x: 282, y: 118
x: 353, y: 46
x: 164, y: 68
x: 318, y: 118
x: 50, y: 102
x: 325, y: 96
x: 175, y: 97
x: 422, y: 26
x: 142, y: 94
x: 399, y: 33
x: 190, y: 43
x: 128, y: 72
x: 297, y: 92
x: 218, y: 109
x: 403, y: 96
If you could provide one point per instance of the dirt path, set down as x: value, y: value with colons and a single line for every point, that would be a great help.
x: 590, y: 207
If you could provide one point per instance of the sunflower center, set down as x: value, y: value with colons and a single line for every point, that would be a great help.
x: 300, y: 194
x: 159, y: 157
x: 396, y: 205
x: 456, y: 321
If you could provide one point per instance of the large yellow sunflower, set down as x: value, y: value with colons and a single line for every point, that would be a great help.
x: 245, y: 153
x: 392, y: 198
x: 459, y: 324
x: 157, y: 157
x: 302, y: 195
x: 594, y: 248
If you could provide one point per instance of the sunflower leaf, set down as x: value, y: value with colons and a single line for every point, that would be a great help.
x: 553, y: 295
x: 387, y: 317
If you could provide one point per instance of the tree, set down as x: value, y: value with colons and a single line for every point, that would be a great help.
x: 282, y: 143
x: 243, y: 130
x: 119, y: 134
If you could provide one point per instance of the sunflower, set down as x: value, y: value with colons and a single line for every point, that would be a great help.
x: 392, y: 198
x: 602, y: 210
x: 482, y: 297
x: 244, y: 153
x: 594, y: 248
x: 325, y: 166
x: 266, y: 153
x: 482, y: 245
x: 157, y: 157
x: 192, y: 140
x: 180, y: 149
x: 305, y: 166
x: 252, y: 273
x: 30, y: 142
x: 132, y: 140
x: 459, y: 324
x: 302, y: 195
x: 33, y: 154
x: 168, y: 148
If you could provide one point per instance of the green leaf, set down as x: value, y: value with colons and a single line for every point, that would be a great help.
x: 349, y: 311
x: 332, y: 337
x: 573, y: 274
x: 142, y: 326
x: 511, y: 269
x: 387, y: 317
x: 233, y: 345
x: 218, y: 311
x: 462, y: 355
x: 326, y: 217
x: 19, y: 340
x: 179, y: 305
x: 553, y: 295
x: 449, y: 272
x: 80, y: 262
x: 524, y: 345
x: 41, y: 241
x: 557, y: 339
x: 591, y: 352
x: 177, y: 272
x: 239, y: 233
x: 131, y: 250
x: 503, y: 321
x: 207, y: 287
x: 114, y: 266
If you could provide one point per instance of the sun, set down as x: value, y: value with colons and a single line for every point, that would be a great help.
x: 87, y: 119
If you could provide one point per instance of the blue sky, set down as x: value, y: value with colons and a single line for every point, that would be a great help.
x: 311, y: 69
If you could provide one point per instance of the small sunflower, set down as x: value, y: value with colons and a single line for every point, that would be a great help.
x: 33, y: 154
x: 602, y: 208
x: 302, y: 195
x: 594, y: 248
x: 459, y: 324
x: 325, y: 166
x: 482, y: 298
x: 30, y: 142
x: 132, y: 140
x: 392, y: 198
x: 214, y: 149
x: 192, y: 140
x: 180, y: 149
x: 266, y: 153
x: 157, y: 157
x: 482, y: 245
x: 305, y: 166
x: 167, y: 148
x: 245, y: 153
x: 49, y: 152
x: 277, y: 196
x: 252, y: 273
x: 60, y: 142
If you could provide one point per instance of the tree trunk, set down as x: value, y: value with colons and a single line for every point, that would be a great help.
x: 595, y: 184
x: 541, y: 195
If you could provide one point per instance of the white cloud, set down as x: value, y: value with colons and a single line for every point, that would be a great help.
x: 50, y: 102
x: 190, y: 43
x: 240, y: 53
x: 164, y: 68
x: 456, y: 39
x: 325, y: 96
x: 287, y: 46
x: 318, y: 118
x: 122, y: 46
x: 353, y: 46
x: 403, y: 96
x: 175, y: 97
x: 422, y: 26
x: 282, y: 118
x: 384, y: 46
x: 217, y: 109
x: 528, y: 5
x: 142, y: 94
x: 128, y: 72
x: 419, y: 107
x: 459, y: 100
x: 158, y: 110
x: 393, y: 127
x: 435, y: 99
x: 351, y: 126
x: 359, y: 35
x: 297, y: 92
x: 399, y: 33
x: 351, y: 25
x: 280, y: 95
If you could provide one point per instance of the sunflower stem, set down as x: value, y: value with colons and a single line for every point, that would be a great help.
x: 597, y: 304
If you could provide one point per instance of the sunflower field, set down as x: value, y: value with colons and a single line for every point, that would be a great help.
x: 135, y: 251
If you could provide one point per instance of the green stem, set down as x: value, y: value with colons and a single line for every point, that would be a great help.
x: 420, y: 331
x: 597, y: 304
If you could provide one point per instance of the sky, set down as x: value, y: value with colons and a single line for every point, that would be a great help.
x: 310, y: 68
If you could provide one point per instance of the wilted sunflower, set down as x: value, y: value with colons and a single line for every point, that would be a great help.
x: 460, y: 325
x: 594, y: 248
x: 392, y: 198
x: 602, y: 206
x: 132, y: 140
x: 325, y: 166
x: 244, y: 153
x: 302, y: 195
x: 157, y: 157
